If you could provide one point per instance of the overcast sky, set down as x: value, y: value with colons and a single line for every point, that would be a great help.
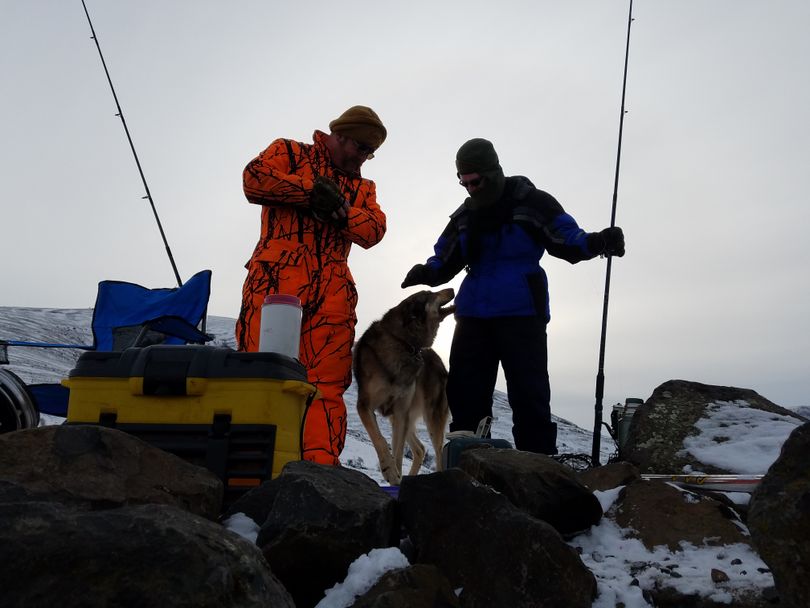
x: 712, y: 195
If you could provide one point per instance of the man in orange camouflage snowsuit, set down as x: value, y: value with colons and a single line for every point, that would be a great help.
x: 315, y: 204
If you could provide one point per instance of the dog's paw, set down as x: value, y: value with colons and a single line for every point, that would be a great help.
x: 391, y: 475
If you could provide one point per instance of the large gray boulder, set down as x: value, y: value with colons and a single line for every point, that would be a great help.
x: 779, y: 519
x: 321, y: 519
x: 94, y: 467
x: 660, y: 426
x: 145, y: 555
x: 658, y: 513
x: 496, y: 553
x: 537, y: 484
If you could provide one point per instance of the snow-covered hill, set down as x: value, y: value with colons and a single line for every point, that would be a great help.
x: 72, y: 326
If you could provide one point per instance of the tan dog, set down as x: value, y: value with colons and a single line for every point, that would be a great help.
x: 400, y: 376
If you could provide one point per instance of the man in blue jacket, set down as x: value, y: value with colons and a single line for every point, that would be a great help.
x: 498, y: 235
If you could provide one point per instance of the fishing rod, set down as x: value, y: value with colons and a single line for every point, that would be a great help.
x: 120, y: 114
x: 600, y: 376
x: 721, y: 483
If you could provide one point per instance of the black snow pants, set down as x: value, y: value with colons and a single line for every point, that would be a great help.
x: 519, y: 344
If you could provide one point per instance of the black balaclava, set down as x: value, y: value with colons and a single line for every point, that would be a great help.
x: 478, y: 156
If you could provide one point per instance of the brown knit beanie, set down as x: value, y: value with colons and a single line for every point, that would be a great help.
x: 362, y: 124
x: 477, y: 156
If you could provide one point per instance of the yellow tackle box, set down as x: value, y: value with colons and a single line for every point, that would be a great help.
x: 238, y: 414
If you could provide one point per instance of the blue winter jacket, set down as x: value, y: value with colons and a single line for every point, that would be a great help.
x: 504, y: 277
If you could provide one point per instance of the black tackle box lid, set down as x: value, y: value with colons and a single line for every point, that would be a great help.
x: 195, y: 361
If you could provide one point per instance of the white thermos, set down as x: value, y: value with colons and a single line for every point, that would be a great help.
x: 281, y: 325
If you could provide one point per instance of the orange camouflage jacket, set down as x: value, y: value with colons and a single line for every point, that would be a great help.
x: 281, y: 178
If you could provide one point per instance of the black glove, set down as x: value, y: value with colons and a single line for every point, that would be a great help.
x: 609, y: 241
x: 418, y: 275
x: 326, y: 199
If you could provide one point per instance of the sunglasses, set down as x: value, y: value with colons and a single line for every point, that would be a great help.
x: 364, y: 149
x: 473, y: 182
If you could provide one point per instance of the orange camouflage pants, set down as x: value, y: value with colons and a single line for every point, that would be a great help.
x: 328, y: 300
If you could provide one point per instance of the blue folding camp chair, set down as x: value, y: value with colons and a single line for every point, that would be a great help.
x: 125, y: 315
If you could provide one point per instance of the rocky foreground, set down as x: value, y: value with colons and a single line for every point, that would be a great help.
x: 95, y: 517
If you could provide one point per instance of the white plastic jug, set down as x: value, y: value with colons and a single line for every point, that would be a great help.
x: 281, y: 325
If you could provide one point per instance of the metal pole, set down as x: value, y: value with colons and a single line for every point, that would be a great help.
x: 120, y: 114
x: 600, y: 376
